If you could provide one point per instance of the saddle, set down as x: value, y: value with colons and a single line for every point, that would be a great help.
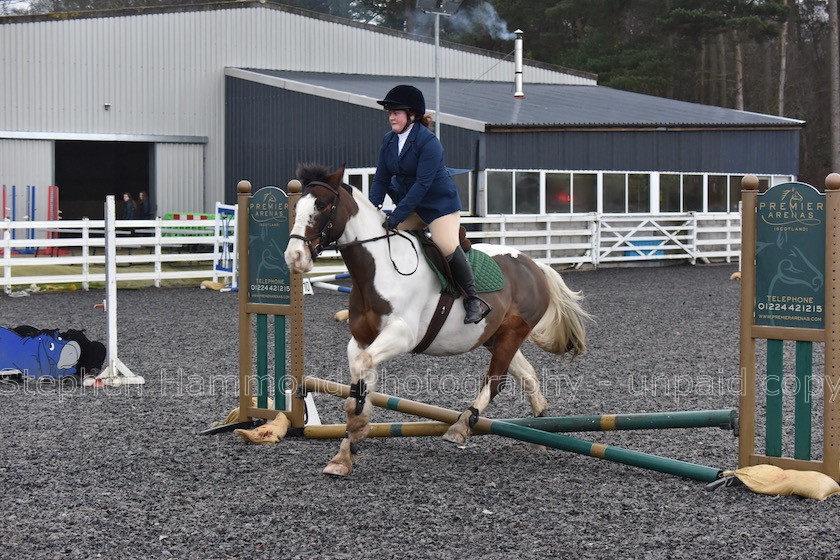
x: 488, y: 278
x: 488, y: 275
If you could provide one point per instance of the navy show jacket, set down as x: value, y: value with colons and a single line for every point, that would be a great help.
x: 416, y: 179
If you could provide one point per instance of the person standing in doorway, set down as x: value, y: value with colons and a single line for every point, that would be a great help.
x: 130, y: 207
x: 145, y: 206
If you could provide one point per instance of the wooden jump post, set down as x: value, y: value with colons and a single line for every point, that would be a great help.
x: 790, y: 291
x: 263, y: 223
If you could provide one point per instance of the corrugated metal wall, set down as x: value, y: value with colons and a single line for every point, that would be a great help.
x: 270, y: 129
x: 713, y: 151
x: 22, y: 163
x: 179, y: 178
x: 162, y: 74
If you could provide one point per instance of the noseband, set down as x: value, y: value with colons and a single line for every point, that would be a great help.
x: 321, y: 236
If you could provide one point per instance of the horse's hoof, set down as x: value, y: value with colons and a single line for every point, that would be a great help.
x: 337, y: 469
x: 454, y: 437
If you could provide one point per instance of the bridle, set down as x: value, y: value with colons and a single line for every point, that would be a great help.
x: 323, y: 235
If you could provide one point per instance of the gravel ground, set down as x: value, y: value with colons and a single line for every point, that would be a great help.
x: 121, y: 472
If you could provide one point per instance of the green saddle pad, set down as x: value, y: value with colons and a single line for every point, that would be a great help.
x: 488, y: 275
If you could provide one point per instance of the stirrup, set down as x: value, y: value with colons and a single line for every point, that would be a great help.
x: 484, y: 313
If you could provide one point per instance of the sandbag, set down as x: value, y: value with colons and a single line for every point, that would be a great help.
x: 773, y: 480
x: 268, y: 433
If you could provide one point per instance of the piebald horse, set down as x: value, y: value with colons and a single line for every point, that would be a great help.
x: 394, y: 295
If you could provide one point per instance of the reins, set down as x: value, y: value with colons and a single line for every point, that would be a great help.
x: 323, y: 235
x: 339, y: 246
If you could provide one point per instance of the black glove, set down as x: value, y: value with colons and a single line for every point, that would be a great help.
x: 390, y: 222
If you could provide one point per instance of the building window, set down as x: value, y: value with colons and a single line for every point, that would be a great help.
x: 558, y: 193
x: 499, y: 192
x: 638, y: 192
x: 585, y: 192
x: 692, y: 189
x: 362, y: 179
x: 527, y: 191
x: 734, y: 192
x: 717, y: 193
x: 670, y: 193
x: 564, y: 192
x: 463, y: 181
x: 356, y: 181
x: 615, y: 196
x: 626, y: 192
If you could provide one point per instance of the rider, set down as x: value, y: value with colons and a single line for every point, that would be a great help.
x: 411, y: 170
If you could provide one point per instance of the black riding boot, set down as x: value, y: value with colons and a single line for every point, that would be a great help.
x: 463, y: 274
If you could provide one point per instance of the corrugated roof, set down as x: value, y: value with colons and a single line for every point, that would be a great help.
x: 544, y: 105
x: 276, y: 5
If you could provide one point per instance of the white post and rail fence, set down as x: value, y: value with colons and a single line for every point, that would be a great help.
x: 72, y: 251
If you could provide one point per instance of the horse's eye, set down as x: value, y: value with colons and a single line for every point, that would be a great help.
x: 319, y: 205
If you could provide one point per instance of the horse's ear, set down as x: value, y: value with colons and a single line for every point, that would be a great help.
x: 335, y: 178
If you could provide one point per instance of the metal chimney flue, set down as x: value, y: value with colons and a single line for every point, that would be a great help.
x: 517, y: 61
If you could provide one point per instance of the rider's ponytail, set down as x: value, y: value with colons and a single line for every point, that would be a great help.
x: 426, y: 120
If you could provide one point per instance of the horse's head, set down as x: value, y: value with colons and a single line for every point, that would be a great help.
x: 321, y: 214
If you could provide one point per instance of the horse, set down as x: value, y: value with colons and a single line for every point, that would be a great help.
x: 394, y: 296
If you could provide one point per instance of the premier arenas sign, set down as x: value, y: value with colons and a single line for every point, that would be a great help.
x: 790, y: 256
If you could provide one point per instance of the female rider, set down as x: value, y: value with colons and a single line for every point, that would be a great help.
x: 410, y: 169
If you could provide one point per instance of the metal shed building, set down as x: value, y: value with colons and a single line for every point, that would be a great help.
x: 185, y: 101
x: 143, y: 91
x: 629, y: 150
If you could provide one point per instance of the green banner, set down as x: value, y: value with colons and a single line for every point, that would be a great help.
x: 790, y: 257
x: 268, y: 235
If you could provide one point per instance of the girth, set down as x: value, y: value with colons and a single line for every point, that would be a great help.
x: 444, y: 306
x: 447, y: 296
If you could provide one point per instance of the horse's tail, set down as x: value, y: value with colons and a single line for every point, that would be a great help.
x: 561, y: 329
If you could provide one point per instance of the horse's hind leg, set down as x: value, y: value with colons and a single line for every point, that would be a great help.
x: 505, y: 347
x: 460, y: 430
x: 522, y: 370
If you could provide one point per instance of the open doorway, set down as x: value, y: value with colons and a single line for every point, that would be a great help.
x: 87, y: 171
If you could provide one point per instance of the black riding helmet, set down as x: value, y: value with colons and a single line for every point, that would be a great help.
x: 405, y: 97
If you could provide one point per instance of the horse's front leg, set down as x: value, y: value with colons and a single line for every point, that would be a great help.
x: 395, y: 339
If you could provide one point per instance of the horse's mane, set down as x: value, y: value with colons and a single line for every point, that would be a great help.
x: 308, y: 172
